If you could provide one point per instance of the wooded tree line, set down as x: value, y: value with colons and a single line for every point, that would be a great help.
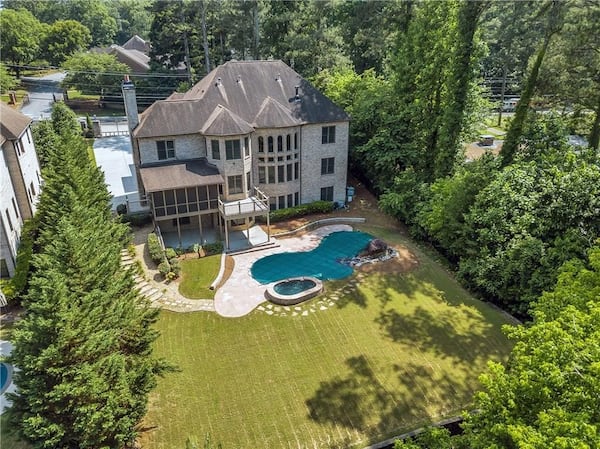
x: 547, y: 396
x: 507, y: 224
x: 84, y: 343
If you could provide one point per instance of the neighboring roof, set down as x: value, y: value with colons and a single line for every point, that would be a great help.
x: 178, y: 175
x: 137, y: 61
x: 137, y: 43
x: 223, y: 122
x: 12, y: 123
x: 262, y: 93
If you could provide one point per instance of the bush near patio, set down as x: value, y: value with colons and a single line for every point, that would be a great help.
x: 156, y: 252
x: 397, y: 351
x: 316, y: 207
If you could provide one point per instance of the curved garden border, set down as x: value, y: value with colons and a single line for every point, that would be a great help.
x: 319, y: 223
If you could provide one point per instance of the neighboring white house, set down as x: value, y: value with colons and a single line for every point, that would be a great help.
x: 20, y: 183
x: 249, y: 137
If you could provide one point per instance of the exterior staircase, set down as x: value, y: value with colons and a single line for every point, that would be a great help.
x: 144, y: 288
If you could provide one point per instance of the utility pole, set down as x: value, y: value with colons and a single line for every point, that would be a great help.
x: 186, y: 48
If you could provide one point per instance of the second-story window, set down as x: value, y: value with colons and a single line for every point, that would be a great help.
x: 328, y: 134
x: 261, y: 144
x: 216, y: 153
x: 327, y: 165
x: 279, y: 143
x: 234, y: 184
x: 232, y: 150
x: 165, y: 149
x: 270, y: 141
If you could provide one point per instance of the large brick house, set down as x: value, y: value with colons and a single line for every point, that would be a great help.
x: 249, y: 137
x: 20, y: 183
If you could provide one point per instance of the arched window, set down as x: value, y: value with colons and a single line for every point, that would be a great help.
x: 279, y: 143
x: 261, y: 144
x: 270, y: 141
x: 288, y: 142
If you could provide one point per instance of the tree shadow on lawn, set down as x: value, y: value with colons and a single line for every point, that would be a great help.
x: 458, y: 333
x: 383, y: 287
x: 359, y: 401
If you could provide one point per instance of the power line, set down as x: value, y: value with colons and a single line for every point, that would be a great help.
x: 131, y: 75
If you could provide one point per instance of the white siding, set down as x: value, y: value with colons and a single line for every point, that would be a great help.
x: 9, y: 239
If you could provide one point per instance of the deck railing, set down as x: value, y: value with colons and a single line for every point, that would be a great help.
x: 256, y: 204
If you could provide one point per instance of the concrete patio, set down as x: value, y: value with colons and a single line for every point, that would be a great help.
x: 238, y: 240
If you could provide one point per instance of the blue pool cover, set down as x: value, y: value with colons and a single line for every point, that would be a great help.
x: 321, y: 262
x: 4, y: 377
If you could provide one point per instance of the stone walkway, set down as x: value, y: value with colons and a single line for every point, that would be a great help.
x: 160, y: 296
x: 240, y: 294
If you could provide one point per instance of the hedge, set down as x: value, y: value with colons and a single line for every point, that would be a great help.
x: 136, y: 219
x: 156, y: 252
x: 316, y: 207
x: 213, y: 248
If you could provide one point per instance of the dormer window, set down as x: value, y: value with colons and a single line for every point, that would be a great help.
x: 165, y: 149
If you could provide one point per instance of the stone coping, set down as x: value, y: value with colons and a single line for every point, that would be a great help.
x: 289, y: 300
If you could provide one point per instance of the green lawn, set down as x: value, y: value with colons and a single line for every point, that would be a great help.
x: 74, y: 94
x: 391, y: 354
x: 197, y: 275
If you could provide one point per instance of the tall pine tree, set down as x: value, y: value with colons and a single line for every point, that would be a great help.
x: 84, y: 344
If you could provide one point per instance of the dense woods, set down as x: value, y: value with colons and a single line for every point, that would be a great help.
x: 418, y: 78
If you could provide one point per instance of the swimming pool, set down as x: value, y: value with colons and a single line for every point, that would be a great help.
x: 5, y: 377
x: 321, y: 262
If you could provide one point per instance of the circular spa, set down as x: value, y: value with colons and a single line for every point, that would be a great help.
x: 294, y: 290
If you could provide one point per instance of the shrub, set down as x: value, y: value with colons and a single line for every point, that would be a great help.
x: 122, y: 209
x: 131, y: 250
x: 170, y: 253
x: 175, y: 266
x: 316, y: 207
x: 156, y: 252
x: 164, y: 268
x: 136, y: 219
x: 213, y: 248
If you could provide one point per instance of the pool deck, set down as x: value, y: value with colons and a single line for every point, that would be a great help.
x: 241, y: 294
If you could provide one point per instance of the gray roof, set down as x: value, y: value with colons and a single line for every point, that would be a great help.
x: 12, y: 123
x: 137, y: 61
x: 261, y: 93
x: 223, y: 122
x: 178, y: 175
x: 137, y: 43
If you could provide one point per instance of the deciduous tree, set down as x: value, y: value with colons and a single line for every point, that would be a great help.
x: 62, y: 39
x: 21, y: 35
